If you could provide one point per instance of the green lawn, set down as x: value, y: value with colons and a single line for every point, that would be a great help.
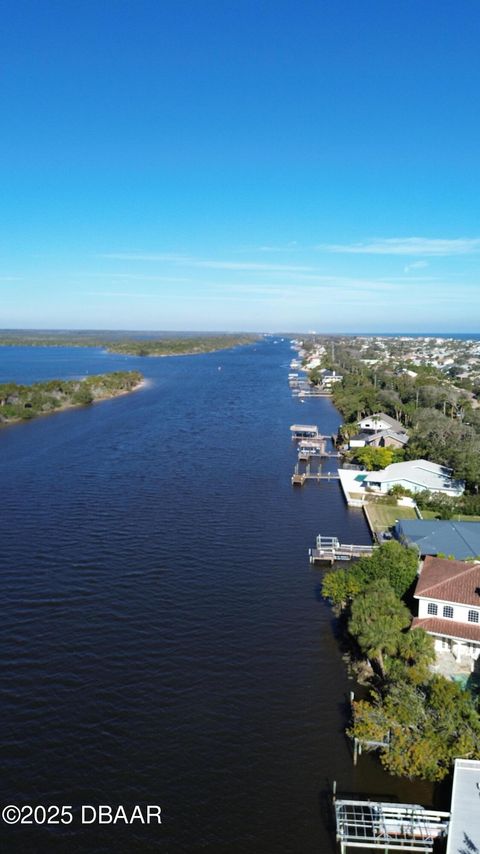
x: 460, y: 517
x: 383, y: 516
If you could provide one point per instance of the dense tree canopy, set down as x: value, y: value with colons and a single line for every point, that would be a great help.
x: 378, y: 617
x: 21, y: 402
x: 391, y: 561
x: 427, y: 727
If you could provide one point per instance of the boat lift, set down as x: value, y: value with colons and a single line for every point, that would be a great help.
x: 388, y: 827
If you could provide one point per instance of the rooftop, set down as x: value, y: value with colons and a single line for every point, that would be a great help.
x: 464, y: 830
x: 400, y: 436
x: 450, y: 581
x: 420, y: 472
x: 382, y: 416
x: 431, y: 536
x: 451, y: 628
x: 304, y: 428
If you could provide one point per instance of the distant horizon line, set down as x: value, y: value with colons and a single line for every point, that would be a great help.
x: 86, y: 330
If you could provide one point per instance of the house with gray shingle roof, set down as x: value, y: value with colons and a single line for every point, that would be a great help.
x: 448, y: 594
x: 382, y: 439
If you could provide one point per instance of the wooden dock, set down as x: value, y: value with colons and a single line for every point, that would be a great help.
x: 329, y: 550
x: 304, y: 454
x: 299, y: 477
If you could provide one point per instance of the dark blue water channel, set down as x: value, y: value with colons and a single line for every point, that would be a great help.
x: 162, y: 635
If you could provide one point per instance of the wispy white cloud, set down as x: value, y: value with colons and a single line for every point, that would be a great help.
x: 199, y: 263
x: 407, y: 246
x: 321, y: 290
x: 134, y: 277
x: 144, y: 256
x: 239, y: 265
x: 346, y: 281
x: 285, y: 247
x: 120, y: 294
x: 417, y: 265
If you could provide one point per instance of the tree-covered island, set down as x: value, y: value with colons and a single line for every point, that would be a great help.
x: 24, y: 402
x: 126, y: 343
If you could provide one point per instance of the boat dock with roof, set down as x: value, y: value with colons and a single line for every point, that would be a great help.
x: 305, y: 431
x: 388, y: 827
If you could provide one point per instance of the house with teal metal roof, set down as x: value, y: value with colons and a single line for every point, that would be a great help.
x: 461, y: 540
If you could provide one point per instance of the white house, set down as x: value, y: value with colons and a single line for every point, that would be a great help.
x: 380, y: 421
x: 315, y: 362
x: 448, y: 594
x: 329, y: 378
x: 415, y: 475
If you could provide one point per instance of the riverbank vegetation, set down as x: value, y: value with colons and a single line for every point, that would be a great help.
x: 24, y: 402
x: 422, y: 720
x: 375, y: 459
x: 127, y: 344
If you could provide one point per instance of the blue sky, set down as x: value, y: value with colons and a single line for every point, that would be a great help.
x: 231, y: 164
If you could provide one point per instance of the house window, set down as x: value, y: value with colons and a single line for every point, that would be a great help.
x: 448, y: 612
x: 473, y: 616
x: 432, y: 609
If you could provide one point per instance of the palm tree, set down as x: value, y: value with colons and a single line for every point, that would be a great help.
x: 416, y: 647
x: 378, y: 618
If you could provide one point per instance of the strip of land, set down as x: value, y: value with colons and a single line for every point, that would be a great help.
x: 24, y: 402
x: 129, y: 344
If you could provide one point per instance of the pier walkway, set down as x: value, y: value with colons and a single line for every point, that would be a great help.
x: 329, y: 550
x: 299, y: 477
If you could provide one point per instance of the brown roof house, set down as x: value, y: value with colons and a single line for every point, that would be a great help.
x: 448, y: 593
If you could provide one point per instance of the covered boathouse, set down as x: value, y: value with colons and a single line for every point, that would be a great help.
x: 304, y: 431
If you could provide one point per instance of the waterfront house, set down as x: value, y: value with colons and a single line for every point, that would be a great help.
x: 416, y: 476
x: 382, y: 439
x: 448, y: 594
x: 329, y: 378
x: 313, y: 363
x: 380, y: 421
x: 440, y: 536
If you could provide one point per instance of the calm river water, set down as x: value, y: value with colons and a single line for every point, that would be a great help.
x: 163, y: 639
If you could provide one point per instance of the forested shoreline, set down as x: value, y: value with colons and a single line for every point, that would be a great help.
x: 125, y: 343
x: 24, y: 402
